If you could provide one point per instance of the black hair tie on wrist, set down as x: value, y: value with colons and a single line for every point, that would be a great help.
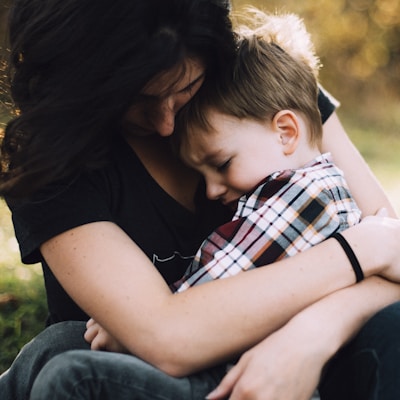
x: 350, y: 255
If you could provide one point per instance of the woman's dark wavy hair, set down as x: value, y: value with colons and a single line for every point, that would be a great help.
x: 76, y: 66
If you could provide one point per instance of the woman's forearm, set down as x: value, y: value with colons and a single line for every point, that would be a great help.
x: 334, y: 320
x: 209, y: 323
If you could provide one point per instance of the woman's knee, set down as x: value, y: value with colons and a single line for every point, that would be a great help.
x: 56, y: 339
x: 62, y: 375
x: 83, y: 374
x: 63, y: 336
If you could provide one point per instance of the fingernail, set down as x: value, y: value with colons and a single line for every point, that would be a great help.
x: 211, y: 395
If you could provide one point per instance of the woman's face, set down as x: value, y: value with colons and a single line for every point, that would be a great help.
x: 159, y: 102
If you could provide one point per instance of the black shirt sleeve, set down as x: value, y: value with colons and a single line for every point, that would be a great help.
x: 327, y: 104
x: 60, y: 208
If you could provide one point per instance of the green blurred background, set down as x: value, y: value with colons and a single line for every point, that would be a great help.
x: 358, y: 42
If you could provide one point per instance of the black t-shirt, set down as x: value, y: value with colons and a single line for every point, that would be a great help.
x: 124, y: 193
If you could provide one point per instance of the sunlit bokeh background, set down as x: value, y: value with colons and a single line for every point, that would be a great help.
x: 358, y: 42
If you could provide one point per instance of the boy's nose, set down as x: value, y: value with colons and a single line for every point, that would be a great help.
x: 215, y: 190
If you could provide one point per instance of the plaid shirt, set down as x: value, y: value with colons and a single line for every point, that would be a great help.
x: 288, y: 212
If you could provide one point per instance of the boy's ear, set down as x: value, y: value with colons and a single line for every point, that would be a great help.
x: 285, y: 122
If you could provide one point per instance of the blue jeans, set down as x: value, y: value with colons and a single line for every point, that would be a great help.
x: 56, y: 372
x: 82, y: 374
x: 368, y: 368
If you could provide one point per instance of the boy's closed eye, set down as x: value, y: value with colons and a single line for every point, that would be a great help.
x: 223, y: 166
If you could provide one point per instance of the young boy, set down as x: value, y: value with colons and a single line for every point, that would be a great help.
x: 254, y: 136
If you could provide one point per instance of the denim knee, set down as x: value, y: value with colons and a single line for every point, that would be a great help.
x: 17, y: 382
x: 60, y: 377
x: 84, y: 374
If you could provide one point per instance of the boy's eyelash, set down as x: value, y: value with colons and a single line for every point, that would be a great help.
x: 222, y: 167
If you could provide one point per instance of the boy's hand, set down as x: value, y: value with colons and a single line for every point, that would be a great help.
x: 100, y: 339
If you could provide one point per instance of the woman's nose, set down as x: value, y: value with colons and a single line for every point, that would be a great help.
x: 164, y: 121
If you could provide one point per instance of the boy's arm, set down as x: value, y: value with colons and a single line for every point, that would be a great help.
x: 100, y: 339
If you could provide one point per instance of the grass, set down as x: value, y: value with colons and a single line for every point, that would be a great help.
x: 22, y: 297
x: 23, y: 307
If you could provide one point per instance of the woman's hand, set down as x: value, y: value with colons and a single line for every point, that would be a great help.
x: 281, y: 367
x: 392, y: 227
x: 100, y: 339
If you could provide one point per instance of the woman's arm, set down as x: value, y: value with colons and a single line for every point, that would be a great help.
x: 364, y: 186
x: 115, y: 283
x: 287, y: 364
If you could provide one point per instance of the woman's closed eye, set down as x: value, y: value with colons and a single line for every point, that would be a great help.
x: 197, y: 82
x: 189, y: 88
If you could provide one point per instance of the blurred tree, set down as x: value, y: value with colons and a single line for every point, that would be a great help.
x: 4, y: 6
x: 4, y: 99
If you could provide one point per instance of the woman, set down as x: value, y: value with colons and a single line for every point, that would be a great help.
x: 98, y: 197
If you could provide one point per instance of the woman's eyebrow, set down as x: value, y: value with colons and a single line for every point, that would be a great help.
x: 150, y: 96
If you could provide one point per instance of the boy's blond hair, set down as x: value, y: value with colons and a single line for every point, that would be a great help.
x: 286, y: 30
x: 275, y: 69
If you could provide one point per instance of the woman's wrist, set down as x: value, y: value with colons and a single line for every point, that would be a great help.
x: 355, y: 264
x: 374, y: 245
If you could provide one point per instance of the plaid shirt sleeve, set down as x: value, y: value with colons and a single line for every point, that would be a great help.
x: 288, y: 213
